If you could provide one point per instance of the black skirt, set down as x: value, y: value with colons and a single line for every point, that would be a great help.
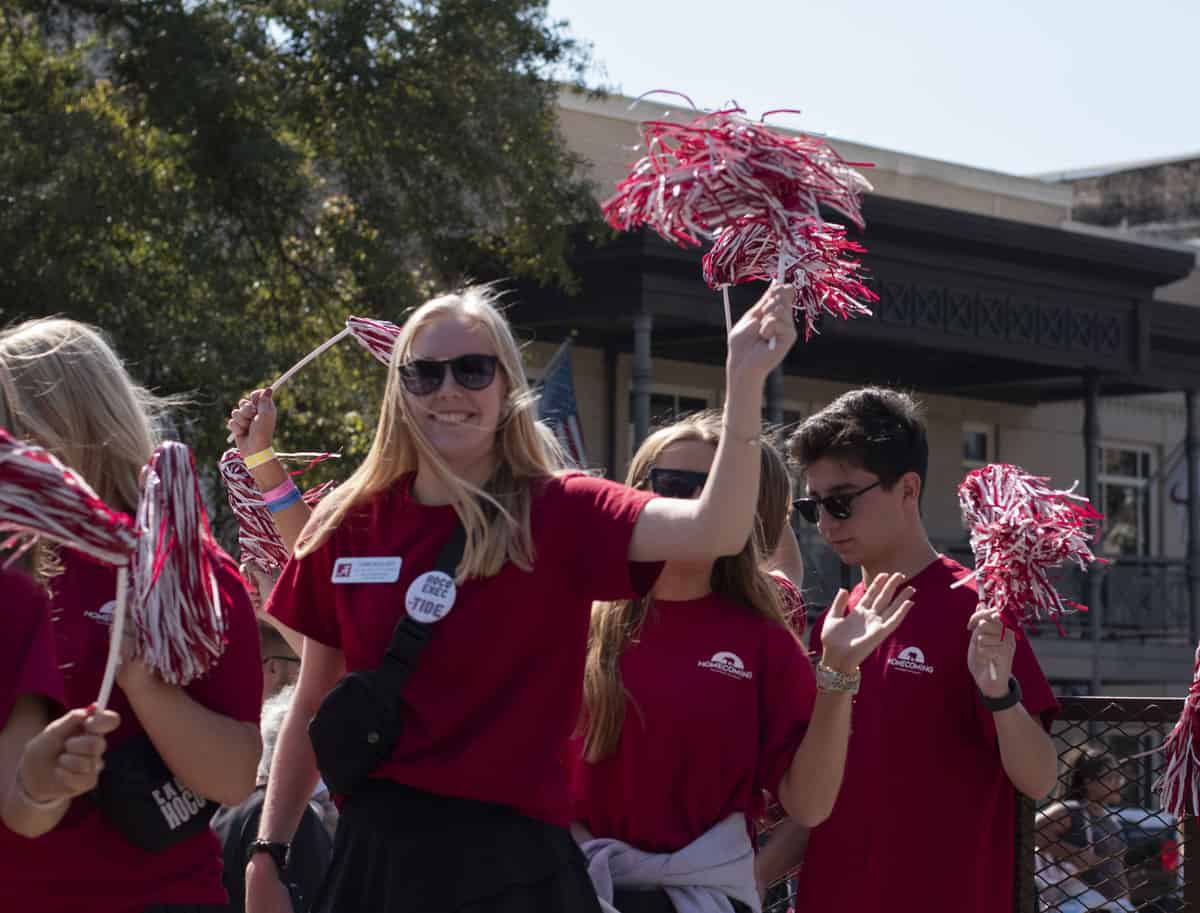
x: 402, y: 850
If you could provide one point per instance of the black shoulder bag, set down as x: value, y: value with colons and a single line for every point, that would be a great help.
x: 141, y: 798
x: 357, y: 725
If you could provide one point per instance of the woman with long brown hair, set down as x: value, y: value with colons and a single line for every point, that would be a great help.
x: 698, y: 696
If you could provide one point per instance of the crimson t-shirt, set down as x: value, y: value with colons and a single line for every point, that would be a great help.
x: 495, y: 695
x: 84, y: 863
x: 719, y: 699
x: 27, y: 661
x: 923, y: 747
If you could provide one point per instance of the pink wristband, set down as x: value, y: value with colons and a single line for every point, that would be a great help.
x: 280, y: 491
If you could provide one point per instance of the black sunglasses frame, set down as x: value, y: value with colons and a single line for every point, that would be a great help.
x: 839, y: 506
x: 418, y: 375
x: 661, y: 482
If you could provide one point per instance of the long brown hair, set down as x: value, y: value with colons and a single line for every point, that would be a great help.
x: 740, y: 578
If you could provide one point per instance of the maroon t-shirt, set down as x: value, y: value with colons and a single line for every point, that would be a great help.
x: 84, y: 863
x: 719, y: 701
x: 496, y: 694
x: 27, y: 661
x: 923, y: 752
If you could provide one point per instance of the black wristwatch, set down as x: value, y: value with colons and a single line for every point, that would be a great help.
x: 277, y: 851
x: 996, y: 704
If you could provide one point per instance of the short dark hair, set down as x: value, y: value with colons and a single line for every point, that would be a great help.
x: 879, y: 429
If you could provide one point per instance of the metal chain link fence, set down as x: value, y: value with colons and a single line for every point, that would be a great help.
x: 1102, y: 843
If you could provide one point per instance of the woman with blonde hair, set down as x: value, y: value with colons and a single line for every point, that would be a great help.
x: 467, y: 808
x: 698, y: 697
x: 64, y: 388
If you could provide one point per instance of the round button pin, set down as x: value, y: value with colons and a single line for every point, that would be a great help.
x: 430, y: 597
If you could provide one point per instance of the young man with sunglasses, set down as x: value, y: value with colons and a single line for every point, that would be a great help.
x: 952, y: 709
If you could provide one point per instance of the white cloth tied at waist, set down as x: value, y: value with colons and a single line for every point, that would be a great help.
x: 700, y: 878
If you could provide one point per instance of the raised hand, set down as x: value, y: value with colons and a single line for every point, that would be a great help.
x: 992, y: 647
x: 847, y: 638
x: 252, y: 423
x: 749, y: 340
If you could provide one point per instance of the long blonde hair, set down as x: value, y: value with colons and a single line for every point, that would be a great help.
x: 740, y: 578
x: 63, y: 387
x: 496, y: 515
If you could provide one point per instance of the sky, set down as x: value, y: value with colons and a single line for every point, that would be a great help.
x: 1015, y: 86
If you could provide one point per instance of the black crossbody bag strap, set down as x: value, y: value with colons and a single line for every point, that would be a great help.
x: 410, y: 636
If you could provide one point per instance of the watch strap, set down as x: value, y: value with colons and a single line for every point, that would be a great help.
x: 277, y: 851
x: 996, y: 704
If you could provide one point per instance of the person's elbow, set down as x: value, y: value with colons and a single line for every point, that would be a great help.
x: 802, y: 806
x: 1040, y: 784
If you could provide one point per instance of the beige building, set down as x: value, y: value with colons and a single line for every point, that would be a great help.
x: 998, y: 310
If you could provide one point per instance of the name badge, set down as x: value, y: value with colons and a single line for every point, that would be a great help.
x: 366, y: 570
x: 430, y: 597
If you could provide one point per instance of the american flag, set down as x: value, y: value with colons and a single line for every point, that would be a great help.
x: 557, y: 406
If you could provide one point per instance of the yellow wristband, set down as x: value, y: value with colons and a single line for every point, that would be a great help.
x: 257, y: 459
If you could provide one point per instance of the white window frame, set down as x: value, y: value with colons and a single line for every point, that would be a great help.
x: 676, y: 390
x: 1150, y: 524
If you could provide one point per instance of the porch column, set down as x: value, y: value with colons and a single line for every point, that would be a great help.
x: 643, y: 375
x: 773, y: 400
x: 610, y: 381
x: 1091, y: 472
x: 1192, y: 455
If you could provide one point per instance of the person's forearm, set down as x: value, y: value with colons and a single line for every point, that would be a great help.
x: 290, y: 521
x: 783, y: 852
x: 1026, y: 751
x: 725, y: 512
x: 810, y: 786
x: 213, y: 755
x: 292, y: 779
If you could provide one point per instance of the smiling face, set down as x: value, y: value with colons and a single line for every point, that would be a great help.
x: 459, y: 423
x: 879, y: 519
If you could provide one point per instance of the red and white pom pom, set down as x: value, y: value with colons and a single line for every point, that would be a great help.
x: 42, y: 498
x: 377, y: 336
x: 1020, y: 528
x: 759, y: 194
x: 258, y: 537
x: 178, y: 618
x: 1178, y: 786
x: 813, y: 257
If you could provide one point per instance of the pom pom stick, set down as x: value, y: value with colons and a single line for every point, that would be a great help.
x: 179, y: 621
x: 1178, y: 786
x: 1020, y: 528
x: 376, y: 336
x: 258, y: 537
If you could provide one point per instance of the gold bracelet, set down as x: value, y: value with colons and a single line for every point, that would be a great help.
x: 834, y: 682
x: 27, y: 796
x: 257, y: 459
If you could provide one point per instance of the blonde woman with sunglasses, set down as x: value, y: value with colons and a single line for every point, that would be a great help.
x: 468, y: 809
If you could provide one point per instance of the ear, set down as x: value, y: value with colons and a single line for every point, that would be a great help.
x: 911, y: 483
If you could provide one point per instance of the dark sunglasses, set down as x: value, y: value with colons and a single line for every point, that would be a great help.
x: 676, y: 483
x: 837, y: 506
x: 425, y: 375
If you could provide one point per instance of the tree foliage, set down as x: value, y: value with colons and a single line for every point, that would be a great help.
x: 219, y: 184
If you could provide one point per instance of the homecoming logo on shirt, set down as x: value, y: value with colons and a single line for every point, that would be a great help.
x: 727, y: 664
x: 911, y: 659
